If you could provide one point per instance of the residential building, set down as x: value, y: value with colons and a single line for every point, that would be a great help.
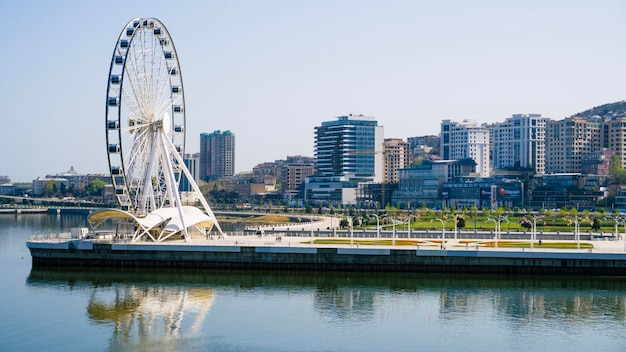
x: 295, y: 170
x: 570, y: 141
x: 614, y: 137
x: 466, y: 139
x: 59, y: 185
x: 396, y: 155
x: 519, y: 143
x: 217, y: 155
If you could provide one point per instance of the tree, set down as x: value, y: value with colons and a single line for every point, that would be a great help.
x: 96, y: 188
x: 49, y: 188
x: 526, y: 223
x: 460, y: 221
x: 615, y: 165
x: 596, y: 224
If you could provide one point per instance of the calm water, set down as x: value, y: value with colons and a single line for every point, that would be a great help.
x: 100, y: 310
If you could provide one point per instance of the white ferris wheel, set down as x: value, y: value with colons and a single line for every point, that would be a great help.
x: 145, y: 121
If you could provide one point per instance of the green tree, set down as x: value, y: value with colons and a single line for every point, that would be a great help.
x: 96, y: 188
x: 596, y: 224
x: 460, y: 221
x: 615, y: 165
x: 49, y: 188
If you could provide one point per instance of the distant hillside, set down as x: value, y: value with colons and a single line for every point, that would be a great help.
x: 606, y: 110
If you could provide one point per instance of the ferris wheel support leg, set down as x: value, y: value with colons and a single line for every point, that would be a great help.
x: 148, y: 179
x: 173, y: 191
x: 196, y: 189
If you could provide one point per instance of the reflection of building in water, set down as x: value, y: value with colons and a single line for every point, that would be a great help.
x: 149, y: 315
x: 533, y: 303
x: 345, y: 303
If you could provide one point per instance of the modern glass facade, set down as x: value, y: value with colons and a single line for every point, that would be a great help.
x: 350, y: 145
x: 348, y: 151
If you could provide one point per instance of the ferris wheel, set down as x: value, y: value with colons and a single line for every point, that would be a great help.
x: 145, y: 120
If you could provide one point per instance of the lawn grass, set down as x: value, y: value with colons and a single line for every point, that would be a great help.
x: 462, y: 243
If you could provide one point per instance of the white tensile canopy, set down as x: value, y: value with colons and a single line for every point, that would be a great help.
x: 158, y: 225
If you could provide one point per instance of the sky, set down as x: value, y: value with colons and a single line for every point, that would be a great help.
x: 270, y: 71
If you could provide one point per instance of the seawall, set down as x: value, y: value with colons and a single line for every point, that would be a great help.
x: 87, y: 254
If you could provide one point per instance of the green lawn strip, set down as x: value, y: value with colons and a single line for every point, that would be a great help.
x: 368, y: 242
x: 544, y: 244
x: 490, y: 244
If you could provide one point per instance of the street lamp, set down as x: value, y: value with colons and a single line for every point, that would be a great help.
x: 456, y: 221
x: 575, y: 219
x: 533, y: 223
x: 443, y: 230
x: 393, y: 235
x: 497, y: 220
x: 411, y: 216
x: 352, y: 229
x: 619, y: 220
x: 377, y: 225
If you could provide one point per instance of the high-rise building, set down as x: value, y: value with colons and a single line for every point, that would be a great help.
x: 217, y: 155
x: 569, y: 142
x: 466, y: 139
x: 350, y: 145
x: 396, y: 155
x: 347, y: 151
x: 519, y: 143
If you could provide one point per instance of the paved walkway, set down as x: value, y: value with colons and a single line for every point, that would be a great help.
x: 599, y: 246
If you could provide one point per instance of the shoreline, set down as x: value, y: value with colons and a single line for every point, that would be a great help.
x: 607, y: 258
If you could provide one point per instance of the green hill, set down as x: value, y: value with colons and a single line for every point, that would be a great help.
x: 606, y: 110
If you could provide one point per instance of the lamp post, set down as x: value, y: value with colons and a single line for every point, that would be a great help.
x: 575, y: 219
x: 377, y: 225
x: 443, y: 230
x: 352, y: 229
x: 618, y: 220
x: 497, y: 220
x: 456, y: 221
x: 415, y: 217
x: 533, y: 227
x: 393, y: 235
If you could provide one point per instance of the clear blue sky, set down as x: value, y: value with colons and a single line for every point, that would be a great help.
x: 270, y: 71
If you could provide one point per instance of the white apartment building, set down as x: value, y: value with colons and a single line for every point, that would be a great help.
x: 466, y: 139
x: 519, y: 142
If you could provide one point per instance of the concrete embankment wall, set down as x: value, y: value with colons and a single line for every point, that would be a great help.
x: 345, y: 259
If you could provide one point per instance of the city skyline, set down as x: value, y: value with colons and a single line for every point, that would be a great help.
x: 272, y: 71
